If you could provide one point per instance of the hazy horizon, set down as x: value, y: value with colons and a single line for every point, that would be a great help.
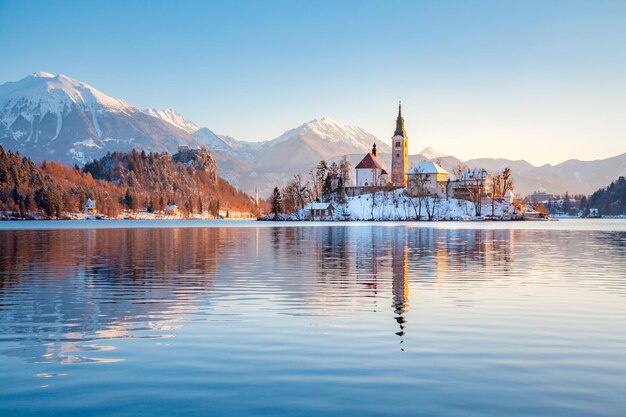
x: 534, y: 81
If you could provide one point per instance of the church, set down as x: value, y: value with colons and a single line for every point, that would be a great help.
x: 371, y: 171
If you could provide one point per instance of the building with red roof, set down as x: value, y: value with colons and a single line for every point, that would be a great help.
x: 371, y: 171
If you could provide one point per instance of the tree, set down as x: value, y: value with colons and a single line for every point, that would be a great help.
x: 500, y: 185
x: 345, y: 168
x: 420, y: 191
x: 289, y: 197
x: 327, y: 187
x: 506, y: 183
x: 301, y: 189
x: 341, y: 191
x: 130, y: 201
x: 276, y: 202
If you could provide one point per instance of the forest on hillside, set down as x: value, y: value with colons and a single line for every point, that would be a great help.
x: 610, y: 201
x: 119, y: 181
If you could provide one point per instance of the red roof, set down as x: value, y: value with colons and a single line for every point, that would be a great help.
x: 370, y: 162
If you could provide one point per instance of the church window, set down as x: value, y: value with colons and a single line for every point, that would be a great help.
x: 398, y: 155
x: 397, y: 144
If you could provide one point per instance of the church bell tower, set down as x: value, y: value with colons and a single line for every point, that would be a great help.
x: 399, y: 152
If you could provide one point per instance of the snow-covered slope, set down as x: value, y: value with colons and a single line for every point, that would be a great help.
x: 397, y: 205
x: 328, y: 131
x: 431, y: 153
x: 301, y: 148
x: 266, y: 164
x: 174, y: 118
x: 48, y: 116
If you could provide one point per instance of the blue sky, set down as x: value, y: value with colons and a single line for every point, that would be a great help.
x: 537, y: 80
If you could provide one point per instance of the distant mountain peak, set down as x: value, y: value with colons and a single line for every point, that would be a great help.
x: 55, y: 117
x: 43, y: 74
x: 43, y: 92
x: 431, y: 153
x: 174, y: 118
x: 330, y: 132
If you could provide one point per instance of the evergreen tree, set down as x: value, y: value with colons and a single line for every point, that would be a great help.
x: 276, y: 202
x: 327, y: 188
x: 130, y: 201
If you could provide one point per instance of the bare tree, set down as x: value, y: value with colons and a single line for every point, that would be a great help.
x: 431, y: 205
x: 373, y: 205
x: 501, y: 184
x: 315, y: 192
x: 302, y: 190
x: 458, y: 170
x: 494, y: 193
x: 345, y: 168
x: 420, y: 190
x: 411, y: 201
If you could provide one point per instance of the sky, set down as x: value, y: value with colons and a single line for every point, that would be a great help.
x: 543, y: 80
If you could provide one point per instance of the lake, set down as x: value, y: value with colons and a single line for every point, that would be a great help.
x: 193, y: 318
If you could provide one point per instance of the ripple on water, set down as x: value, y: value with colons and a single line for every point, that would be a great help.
x: 314, y: 320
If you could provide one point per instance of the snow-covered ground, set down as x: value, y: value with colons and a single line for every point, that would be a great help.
x: 396, y: 205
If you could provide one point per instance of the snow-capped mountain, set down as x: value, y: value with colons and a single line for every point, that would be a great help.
x: 174, y: 118
x: 431, y: 153
x: 263, y: 165
x: 54, y: 117
x: 302, y: 148
x: 48, y: 116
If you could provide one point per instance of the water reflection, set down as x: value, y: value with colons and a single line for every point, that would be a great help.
x: 64, y: 294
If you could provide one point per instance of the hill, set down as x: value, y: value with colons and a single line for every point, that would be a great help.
x: 119, y: 181
x: 610, y: 201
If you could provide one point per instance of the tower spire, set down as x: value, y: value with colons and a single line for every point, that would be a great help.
x: 400, y: 122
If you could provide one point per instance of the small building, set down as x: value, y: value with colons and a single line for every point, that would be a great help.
x: 171, y: 209
x: 540, y: 197
x: 472, y: 184
x: 427, y: 178
x: 593, y: 212
x: 90, y: 207
x: 371, y: 171
x: 320, y: 211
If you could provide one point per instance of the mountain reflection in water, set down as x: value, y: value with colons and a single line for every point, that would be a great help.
x: 70, y: 297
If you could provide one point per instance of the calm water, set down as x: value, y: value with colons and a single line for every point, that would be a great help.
x: 448, y: 319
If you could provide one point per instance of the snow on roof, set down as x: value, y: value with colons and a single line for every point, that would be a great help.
x: 371, y: 161
x: 90, y: 203
x: 320, y: 206
x: 427, y: 167
x: 509, y: 193
x: 473, y: 174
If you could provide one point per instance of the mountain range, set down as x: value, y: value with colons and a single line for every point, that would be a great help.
x: 54, y: 117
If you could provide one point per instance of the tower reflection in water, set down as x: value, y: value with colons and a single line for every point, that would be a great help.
x: 400, y: 278
x: 111, y: 284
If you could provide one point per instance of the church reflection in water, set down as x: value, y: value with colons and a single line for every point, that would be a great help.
x: 81, y: 288
x: 400, y: 280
